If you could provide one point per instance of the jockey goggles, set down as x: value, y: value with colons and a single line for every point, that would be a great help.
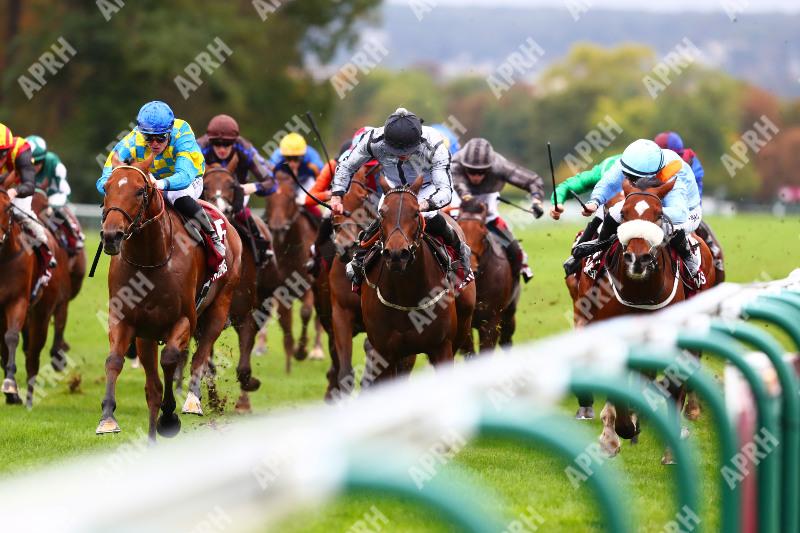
x: 292, y: 158
x: 3, y: 152
x: 222, y: 142
x: 476, y: 171
x: 157, y: 137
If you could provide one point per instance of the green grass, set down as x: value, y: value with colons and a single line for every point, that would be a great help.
x: 62, y: 422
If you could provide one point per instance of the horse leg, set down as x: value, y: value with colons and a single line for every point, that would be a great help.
x: 179, y: 368
x: 343, y: 340
x: 488, y: 334
x: 332, y: 375
x: 609, y: 441
x: 59, y: 348
x: 693, y: 410
x: 15, y: 320
x: 153, y: 388
x: 38, y: 322
x: 317, y: 353
x: 177, y: 342
x: 442, y: 355
x: 508, y: 325
x: 247, y: 334
x: 210, y: 325
x: 306, y: 310
x: 261, y: 342
x: 285, y: 320
x: 120, y: 336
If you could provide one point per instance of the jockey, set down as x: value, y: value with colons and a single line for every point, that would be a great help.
x: 405, y: 149
x: 479, y: 174
x: 644, y: 159
x: 15, y: 156
x: 580, y: 183
x: 178, y: 166
x: 51, y: 176
x: 674, y: 142
x: 220, y: 143
x: 295, y: 157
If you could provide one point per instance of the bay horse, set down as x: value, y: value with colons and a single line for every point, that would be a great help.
x: 407, y: 301
x: 219, y: 184
x: 76, y: 263
x: 497, y: 289
x: 338, y: 307
x: 641, y: 276
x: 20, y: 315
x: 292, y: 234
x: 155, y: 259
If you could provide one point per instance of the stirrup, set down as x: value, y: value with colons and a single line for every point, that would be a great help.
x: 585, y: 249
x: 572, y: 266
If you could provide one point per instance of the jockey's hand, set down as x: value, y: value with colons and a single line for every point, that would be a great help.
x: 555, y: 212
x: 249, y: 188
x: 336, y: 205
x: 590, y: 208
x: 537, y: 208
x: 424, y: 205
x: 12, y: 193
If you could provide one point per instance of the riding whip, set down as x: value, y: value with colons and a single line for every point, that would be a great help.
x: 552, y: 174
x: 512, y: 204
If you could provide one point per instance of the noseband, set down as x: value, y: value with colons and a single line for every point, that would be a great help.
x: 136, y: 222
x: 413, y: 244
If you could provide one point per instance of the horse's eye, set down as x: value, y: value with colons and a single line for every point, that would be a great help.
x: 140, y: 192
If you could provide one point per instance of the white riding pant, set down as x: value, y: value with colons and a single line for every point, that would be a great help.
x: 195, y: 190
x: 300, y: 196
x: 31, y: 220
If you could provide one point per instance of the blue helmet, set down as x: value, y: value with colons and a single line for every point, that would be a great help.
x: 450, y: 138
x: 155, y: 118
x: 643, y: 159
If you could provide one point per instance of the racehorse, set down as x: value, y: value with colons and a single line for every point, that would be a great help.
x: 293, y: 234
x: 219, y: 184
x: 407, y: 300
x: 77, y: 271
x: 18, y: 263
x: 497, y: 291
x: 338, y: 307
x: 641, y: 275
x: 155, y: 259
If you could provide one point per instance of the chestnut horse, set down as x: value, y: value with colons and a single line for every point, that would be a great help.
x: 338, y: 307
x: 292, y: 236
x: 18, y: 263
x: 77, y: 271
x: 157, y: 264
x: 498, y: 291
x: 640, y: 277
x: 255, y: 282
x: 407, y: 302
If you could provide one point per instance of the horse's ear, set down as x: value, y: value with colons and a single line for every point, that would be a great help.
x: 665, y: 189
x: 385, y: 187
x: 484, y: 210
x: 627, y: 186
x: 233, y: 163
x: 145, y: 165
x: 115, y: 160
x: 417, y: 185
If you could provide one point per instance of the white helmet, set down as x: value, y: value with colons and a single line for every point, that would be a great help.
x: 643, y: 159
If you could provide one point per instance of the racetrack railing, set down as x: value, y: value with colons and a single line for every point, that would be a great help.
x: 256, y: 472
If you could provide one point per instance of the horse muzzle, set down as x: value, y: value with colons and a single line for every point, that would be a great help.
x: 112, y: 241
x: 639, y: 266
x: 397, y: 260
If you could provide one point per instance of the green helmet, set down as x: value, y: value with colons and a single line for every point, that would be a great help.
x: 38, y: 148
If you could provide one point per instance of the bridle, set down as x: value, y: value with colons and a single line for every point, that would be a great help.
x: 138, y: 222
x: 218, y: 195
x: 290, y: 222
x: 350, y: 220
x: 413, y: 244
x: 487, y: 244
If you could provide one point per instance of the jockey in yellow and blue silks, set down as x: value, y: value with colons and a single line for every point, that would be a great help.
x: 178, y: 165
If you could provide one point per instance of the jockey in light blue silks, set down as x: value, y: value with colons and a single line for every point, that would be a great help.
x: 681, y: 206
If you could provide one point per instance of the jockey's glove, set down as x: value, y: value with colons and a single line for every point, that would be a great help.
x: 537, y: 208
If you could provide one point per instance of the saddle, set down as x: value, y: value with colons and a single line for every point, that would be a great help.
x: 250, y: 234
x: 313, y: 214
x: 215, y: 263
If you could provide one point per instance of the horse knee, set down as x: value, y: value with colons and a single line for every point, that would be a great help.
x: 11, y: 337
x: 170, y: 356
x: 114, y: 363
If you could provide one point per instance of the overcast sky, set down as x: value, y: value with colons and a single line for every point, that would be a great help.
x: 672, y: 5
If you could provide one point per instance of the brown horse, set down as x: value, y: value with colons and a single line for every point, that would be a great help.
x: 292, y: 235
x: 497, y: 289
x: 18, y: 263
x: 407, y: 302
x: 640, y: 277
x: 253, y: 288
x: 156, y: 273
x: 338, y: 307
x: 76, y: 263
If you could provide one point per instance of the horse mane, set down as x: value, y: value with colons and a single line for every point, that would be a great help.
x: 646, y: 183
x: 472, y: 206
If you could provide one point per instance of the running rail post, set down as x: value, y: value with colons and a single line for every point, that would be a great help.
x: 686, y: 490
x: 722, y: 346
x: 560, y: 437
x: 658, y: 359
x: 790, y: 406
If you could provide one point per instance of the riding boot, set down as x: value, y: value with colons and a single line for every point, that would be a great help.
x: 607, y: 235
x: 573, y: 265
x: 323, y: 236
x: 189, y: 208
x: 680, y: 242
x: 40, y: 244
x: 518, y: 259
x: 355, y: 268
x: 439, y: 227
x: 262, y: 245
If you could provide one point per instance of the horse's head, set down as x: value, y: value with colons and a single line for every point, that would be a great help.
x: 641, y: 233
x: 282, y: 208
x: 129, y: 194
x: 401, y: 224
x: 472, y: 219
x: 219, y: 185
x: 359, y: 212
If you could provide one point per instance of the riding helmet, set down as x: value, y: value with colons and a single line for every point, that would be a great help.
x: 6, y: 137
x: 670, y: 140
x: 642, y: 159
x: 38, y: 147
x: 223, y: 127
x: 293, y: 145
x: 155, y: 118
x: 478, y: 154
x: 402, y: 132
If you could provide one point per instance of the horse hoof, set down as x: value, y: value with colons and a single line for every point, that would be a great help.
x: 242, y: 406
x: 635, y: 439
x: 585, y: 413
x: 684, y: 433
x: 58, y: 360
x: 107, y: 425
x: 13, y: 399
x: 692, y: 413
x: 135, y: 363
x: 10, y: 386
x: 317, y: 354
x: 667, y: 459
x: 260, y: 351
x: 192, y: 405
x: 251, y: 385
x: 300, y: 354
x: 168, y: 425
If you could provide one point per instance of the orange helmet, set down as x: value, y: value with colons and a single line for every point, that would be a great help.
x: 6, y: 137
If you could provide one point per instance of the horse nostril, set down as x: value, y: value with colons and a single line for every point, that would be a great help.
x: 629, y: 257
x: 405, y: 254
x: 646, y: 259
x: 386, y: 253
